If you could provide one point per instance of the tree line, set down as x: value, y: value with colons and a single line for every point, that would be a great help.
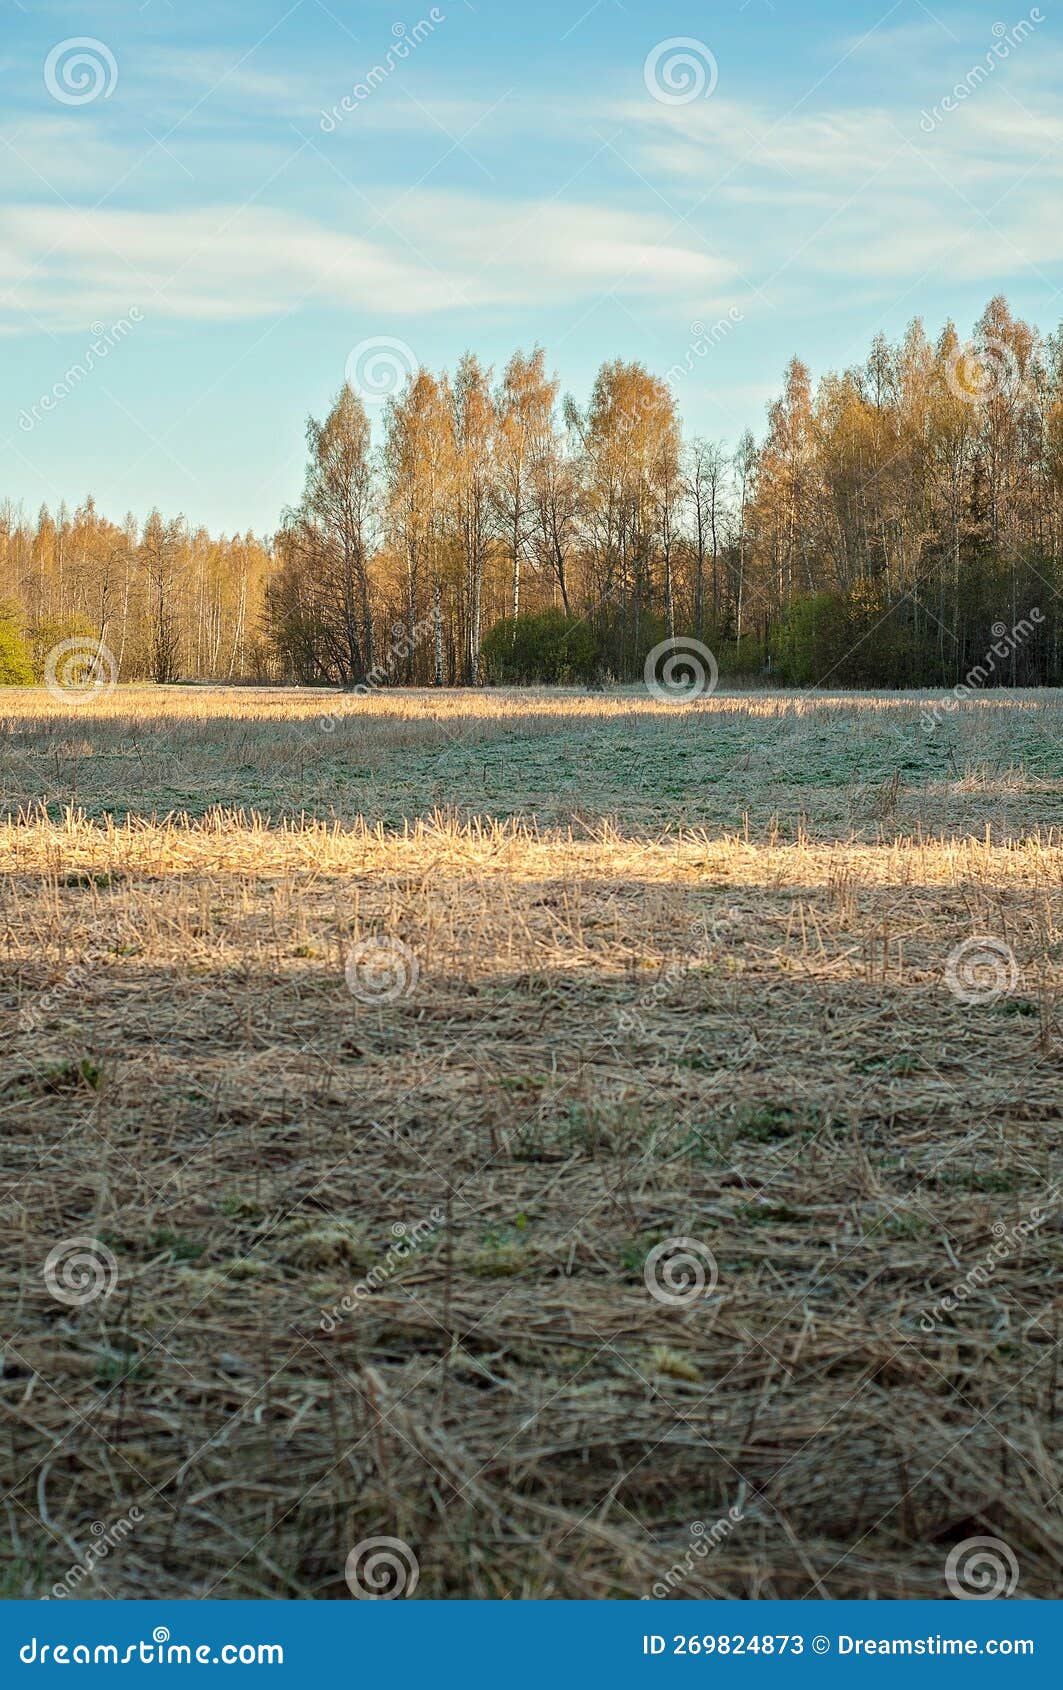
x: 167, y: 600
x: 892, y: 523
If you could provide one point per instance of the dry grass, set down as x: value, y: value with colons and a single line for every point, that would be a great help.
x: 723, y: 1014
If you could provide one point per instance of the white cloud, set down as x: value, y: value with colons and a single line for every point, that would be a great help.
x: 434, y: 252
x: 865, y: 192
x: 685, y: 208
x: 525, y: 249
x: 217, y: 262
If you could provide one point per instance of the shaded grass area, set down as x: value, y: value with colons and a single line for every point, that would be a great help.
x: 608, y: 1043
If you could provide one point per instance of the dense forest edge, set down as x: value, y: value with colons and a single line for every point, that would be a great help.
x: 899, y: 524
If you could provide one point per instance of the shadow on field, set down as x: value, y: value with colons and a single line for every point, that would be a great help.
x: 559, y: 1270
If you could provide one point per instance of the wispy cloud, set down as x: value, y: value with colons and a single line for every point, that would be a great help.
x: 436, y: 251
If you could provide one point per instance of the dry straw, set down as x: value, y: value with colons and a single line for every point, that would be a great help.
x: 620, y: 1033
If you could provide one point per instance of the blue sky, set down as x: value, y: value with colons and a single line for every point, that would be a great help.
x: 515, y: 177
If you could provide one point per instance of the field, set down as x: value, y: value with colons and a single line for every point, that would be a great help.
x: 610, y: 1146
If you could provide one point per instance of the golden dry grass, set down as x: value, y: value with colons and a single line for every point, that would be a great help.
x: 718, y: 1008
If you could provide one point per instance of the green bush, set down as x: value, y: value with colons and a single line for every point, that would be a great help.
x: 811, y: 638
x: 856, y: 638
x: 547, y: 647
x: 16, y: 668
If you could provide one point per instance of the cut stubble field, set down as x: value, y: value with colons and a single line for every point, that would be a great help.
x: 610, y: 1147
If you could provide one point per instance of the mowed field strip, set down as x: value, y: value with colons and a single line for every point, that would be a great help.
x: 376, y: 1044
